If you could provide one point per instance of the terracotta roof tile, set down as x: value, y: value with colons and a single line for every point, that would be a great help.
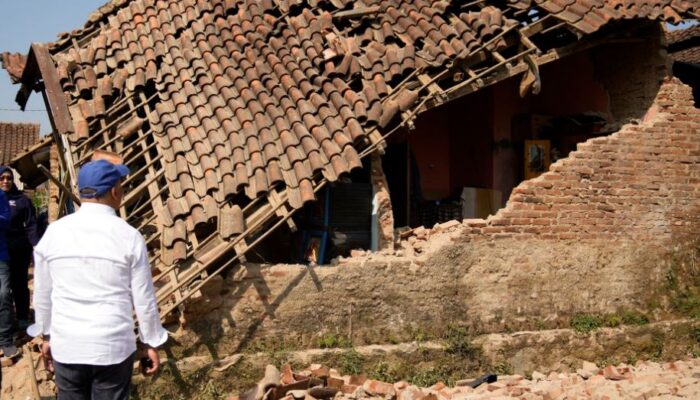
x: 252, y: 94
x: 15, y: 138
x: 690, y: 56
x: 684, y: 44
x: 14, y: 64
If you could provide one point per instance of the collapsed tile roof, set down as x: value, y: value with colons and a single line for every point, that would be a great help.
x: 15, y: 137
x: 218, y: 104
x: 14, y: 64
x: 684, y: 44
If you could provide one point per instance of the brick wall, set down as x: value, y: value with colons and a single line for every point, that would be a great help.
x: 54, y: 192
x: 642, y: 182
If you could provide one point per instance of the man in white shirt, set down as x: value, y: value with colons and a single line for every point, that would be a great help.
x: 91, y: 272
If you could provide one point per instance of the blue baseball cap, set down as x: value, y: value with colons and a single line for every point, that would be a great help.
x: 97, y: 177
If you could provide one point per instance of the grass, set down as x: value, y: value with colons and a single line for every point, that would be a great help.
x: 429, y: 377
x: 683, y: 280
x: 385, y: 372
x: 695, y: 334
x: 350, y: 362
x: 458, y: 359
x: 332, y: 341
x: 458, y: 341
x: 585, y: 323
x: 634, y: 318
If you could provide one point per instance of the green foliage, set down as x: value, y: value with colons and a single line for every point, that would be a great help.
x: 40, y: 199
x: 611, y: 320
x: 429, y: 377
x: 458, y: 341
x: 695, y: 334
x: 658, y: 341
x: 211, y: 391
x: 384, y: 372
x: 350, y: 362
x: 540, y: 325
x: 503, y: 369
x: 585, y: 323
x: 634, y: 318
x: 683, y: 280
x: 687, y: 303
x: 331, y: 341
x: 421, y: 335
x: 671, y: 279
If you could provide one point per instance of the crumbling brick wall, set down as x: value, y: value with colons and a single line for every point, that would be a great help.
x: 640, y: 183
x: 589, y: 236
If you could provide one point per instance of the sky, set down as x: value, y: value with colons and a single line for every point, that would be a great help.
x: 30, y: 21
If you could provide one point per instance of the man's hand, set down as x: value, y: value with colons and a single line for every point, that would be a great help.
x: 154, y: 358
x: 46, y: 355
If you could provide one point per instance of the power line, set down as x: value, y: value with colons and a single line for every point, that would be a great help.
x: 13, y: 110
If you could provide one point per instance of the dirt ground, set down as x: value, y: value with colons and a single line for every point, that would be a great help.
x: 644, y: 380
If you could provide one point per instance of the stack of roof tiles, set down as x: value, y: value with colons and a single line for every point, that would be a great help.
x: 684, y: 44
x: 590, y: 15
x: 253, y: 95
x: 15, y: 137
x: 14, y: 64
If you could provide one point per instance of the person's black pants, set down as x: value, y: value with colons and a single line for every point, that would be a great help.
x: 94, y: 382
x: 19, y: 280
x: 7, y: 315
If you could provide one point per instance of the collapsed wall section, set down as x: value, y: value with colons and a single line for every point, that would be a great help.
x: 639, y: 183
x: 614, y: 203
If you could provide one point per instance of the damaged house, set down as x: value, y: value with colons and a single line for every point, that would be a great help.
x: 295, y: 131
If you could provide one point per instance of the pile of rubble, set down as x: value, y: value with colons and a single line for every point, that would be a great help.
x: 423, y: 240
x: 411, y: 243
x: 646, y: 380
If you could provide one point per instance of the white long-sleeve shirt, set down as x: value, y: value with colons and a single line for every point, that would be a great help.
x: 90, y: 272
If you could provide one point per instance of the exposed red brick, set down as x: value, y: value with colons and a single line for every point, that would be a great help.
x: 637, y: 183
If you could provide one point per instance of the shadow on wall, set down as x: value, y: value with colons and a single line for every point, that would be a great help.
x: 632, y: 71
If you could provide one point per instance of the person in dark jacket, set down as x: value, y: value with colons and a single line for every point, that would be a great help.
x: 7, y: 316
x: 21, y: 237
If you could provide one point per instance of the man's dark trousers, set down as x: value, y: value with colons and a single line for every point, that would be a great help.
x: 94, y: 382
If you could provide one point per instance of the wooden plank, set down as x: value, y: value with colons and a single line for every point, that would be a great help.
x: 128, y: 199
x: 58, y: 183
x: 457, y: 89
x: 58, y: 109
x: 33, y: 383
x: 55, y: 100
x: 537, y: 26
x: 433, y: 88
x: 274, y: 198
x: 254, y: 223
x: 112, y: 123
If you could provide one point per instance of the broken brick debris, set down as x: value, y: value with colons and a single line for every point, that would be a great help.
x: 644, y: 380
